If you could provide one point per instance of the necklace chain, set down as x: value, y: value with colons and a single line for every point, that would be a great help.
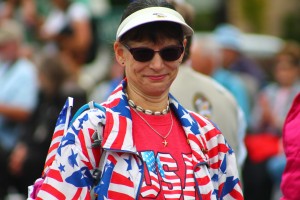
x: 164, y: 137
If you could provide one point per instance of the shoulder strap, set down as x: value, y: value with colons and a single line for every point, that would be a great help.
x: 90, y: 105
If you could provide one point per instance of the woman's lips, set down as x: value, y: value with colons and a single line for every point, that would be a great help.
x: 157, y: 77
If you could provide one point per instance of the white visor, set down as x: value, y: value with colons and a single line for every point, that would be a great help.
x: 153, y: 14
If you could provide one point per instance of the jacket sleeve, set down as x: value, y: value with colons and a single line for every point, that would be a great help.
x: 291, y: 133
x: 229, y: 185
x: 223, y: 166
x: 70, y: 175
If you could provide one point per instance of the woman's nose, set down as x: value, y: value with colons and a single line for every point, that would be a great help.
x: 157, y: 62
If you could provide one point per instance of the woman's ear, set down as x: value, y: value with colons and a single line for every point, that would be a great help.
x: 184, y: 42
x: 119, y: 53
x: 186, y: 52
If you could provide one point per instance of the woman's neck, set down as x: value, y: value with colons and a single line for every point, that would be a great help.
x: 149, y: 102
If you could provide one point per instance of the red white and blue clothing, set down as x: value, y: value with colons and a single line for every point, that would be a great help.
x: 133, y: 171
x: 172, y: 161
x: 291, y: 176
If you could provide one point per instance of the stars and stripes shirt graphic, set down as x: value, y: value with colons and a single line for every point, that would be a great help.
x: 211, y: 171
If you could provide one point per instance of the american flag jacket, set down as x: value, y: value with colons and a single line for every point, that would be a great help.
x: 72, y: 158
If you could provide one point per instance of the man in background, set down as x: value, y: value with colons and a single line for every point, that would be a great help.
x: 199, y: 92
x: 18, y: 93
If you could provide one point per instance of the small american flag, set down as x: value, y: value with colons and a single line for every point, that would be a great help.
x: 61, y: 127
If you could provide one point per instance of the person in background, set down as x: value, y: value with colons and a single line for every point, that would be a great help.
x: 205, y: 95
x: 11, y: 7
x: 237, y: 72
x: 143, y: 141
x: 103, y: 89
x: 18, y: 93
x: 262, y: 175
x: 290, y: 134
x: 69, y: 29
x: 237, y: 87
x: 29, y: 14
x: 27, y: 158
x: 233, y: 58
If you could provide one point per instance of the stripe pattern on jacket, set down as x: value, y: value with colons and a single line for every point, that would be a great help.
x: 70, y: 175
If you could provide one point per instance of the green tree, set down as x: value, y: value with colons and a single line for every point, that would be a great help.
x: 254, y: 11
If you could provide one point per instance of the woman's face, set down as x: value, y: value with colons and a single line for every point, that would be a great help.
x: 286, y: 73
x: 153, y: 77
x: 9, y: 50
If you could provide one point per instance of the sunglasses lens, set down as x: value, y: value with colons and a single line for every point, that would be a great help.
x: 171, y: 53
x: 142, y: 54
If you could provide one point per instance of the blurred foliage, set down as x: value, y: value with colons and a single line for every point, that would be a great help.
x: 208, y: 14
x: 291, y: 26
x: 109, y: 24
x: 204, y: 22
x: 119, y: 2
x: 254, y: 11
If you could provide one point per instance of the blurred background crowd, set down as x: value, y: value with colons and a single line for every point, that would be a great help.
x: 52, y: 49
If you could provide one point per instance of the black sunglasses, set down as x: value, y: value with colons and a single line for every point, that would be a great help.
x: 144, y: 54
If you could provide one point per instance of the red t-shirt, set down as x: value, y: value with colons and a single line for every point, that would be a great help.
x: 168, y: 170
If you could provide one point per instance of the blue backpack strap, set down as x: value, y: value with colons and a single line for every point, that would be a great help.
x: 87, y: 106
x: 91, y: 105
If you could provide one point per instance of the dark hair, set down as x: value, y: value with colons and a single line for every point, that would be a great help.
x: 154, y: 32
x: 292, y: 50
x: 141, y: 4
x: 53, y: 68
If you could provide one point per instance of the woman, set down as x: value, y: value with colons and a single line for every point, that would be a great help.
x: 152, y: 148
x: 264, y: 166
x: 27, y: 158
